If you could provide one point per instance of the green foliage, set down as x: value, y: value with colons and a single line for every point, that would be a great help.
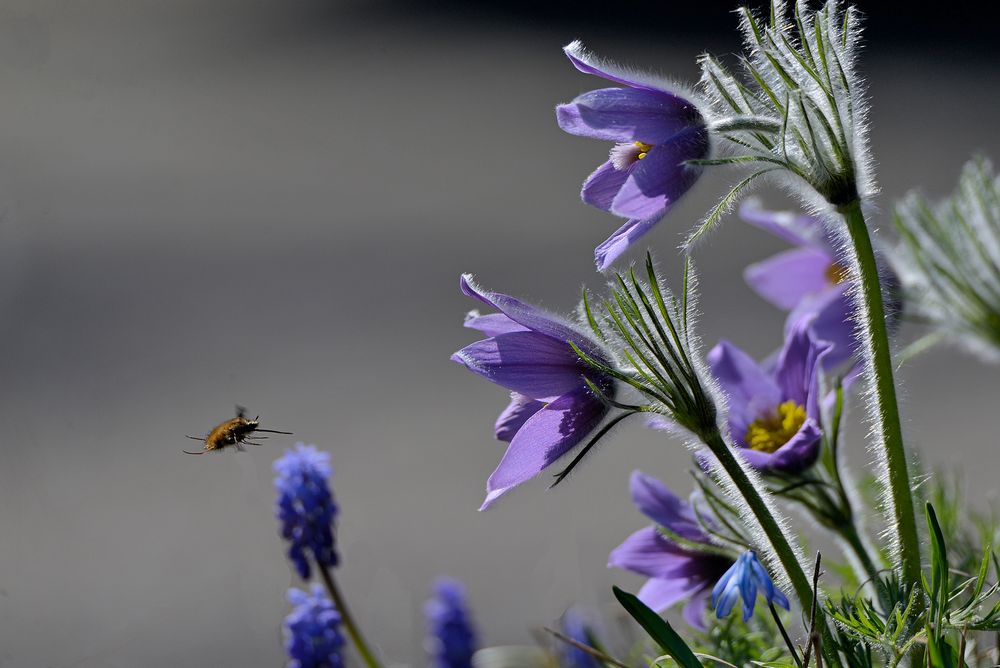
x: 658, y: 629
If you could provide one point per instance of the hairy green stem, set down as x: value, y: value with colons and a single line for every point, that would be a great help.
x: 782, y: 548
x: 886, y: 411
x: 347, y: 619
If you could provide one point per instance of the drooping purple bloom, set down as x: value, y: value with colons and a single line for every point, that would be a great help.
x: 451, y: 639
x: 743, y: 580
x: 676, y: 573
x: 574, y: 625
x: 774, y: 409
x: 312, y: 630
x: 655, y: 130
x: 305, y: 507
x: 552, y: 409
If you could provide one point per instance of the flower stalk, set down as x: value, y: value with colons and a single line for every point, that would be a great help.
x: 347, y: 619
x: 888, y: 431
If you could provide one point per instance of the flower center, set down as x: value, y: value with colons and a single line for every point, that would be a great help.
x: 770, y: 432
x: 836, y: 273
x: 627, y: 154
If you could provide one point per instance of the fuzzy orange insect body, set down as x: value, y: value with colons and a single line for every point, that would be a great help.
x: 236, y: 431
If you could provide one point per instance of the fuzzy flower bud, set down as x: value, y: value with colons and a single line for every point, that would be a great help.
x: 949, y: 256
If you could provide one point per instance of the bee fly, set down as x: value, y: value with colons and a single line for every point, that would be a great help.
x: 236, y: 431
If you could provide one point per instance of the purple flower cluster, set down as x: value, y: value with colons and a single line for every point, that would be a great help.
x: 305, y: 507
x: 312, y: 631
x: 451, y: 639
x: 552, y: 408
x: 656, y: 133
x: 677, y: 572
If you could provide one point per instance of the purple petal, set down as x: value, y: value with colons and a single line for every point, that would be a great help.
x: 587, y: 63
x: 658, y: 181
x: 787, y: 278
x: 647, y: 552
x: 545, y: 437
x: 531, y: 317
x: 627, y: 115
x: 619, y: 242
x: 659, y: 594
x: 515, y: 415
x: 492, y: 324
x: 694, y: 611
x: 796, y: 229
x: 526, y: 362
x: 602, y: 186
x: 830, y: 317
x: 662, y: 506
x: 749, y: 389
x: 797, y: 369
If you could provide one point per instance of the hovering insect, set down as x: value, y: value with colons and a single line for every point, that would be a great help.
x: 236, y: 431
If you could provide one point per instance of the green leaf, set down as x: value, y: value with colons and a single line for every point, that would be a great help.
x: 658, y: 629
x: 939, y: 562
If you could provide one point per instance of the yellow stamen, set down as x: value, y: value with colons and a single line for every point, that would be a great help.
x: 836, y: 273
x: 770, y: 432
x: 644, y: 149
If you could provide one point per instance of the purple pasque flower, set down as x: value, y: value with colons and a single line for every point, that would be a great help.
x: 656, y: 132
x: 312, y: 630
x: 305, y: 507
x: 451, y: 639
x: 552, y: 408
x: 809, y: 280
x: 677, y: 569
x: 774, y: 409
x: 743, y: 580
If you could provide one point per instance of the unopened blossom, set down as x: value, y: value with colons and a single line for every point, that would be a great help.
x: 312, y: 630
x: 552, y: 408
x: 774, y: 412
x: 743, y: 580
x: 305, y: 507
x: 451, y: 639
x: 656, y: 131
x: 668, y: 552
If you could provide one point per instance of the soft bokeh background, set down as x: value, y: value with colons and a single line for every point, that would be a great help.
x: 269, y: 202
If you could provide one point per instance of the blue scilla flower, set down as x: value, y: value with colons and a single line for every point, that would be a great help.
x: 742, y: 580
x: 451, y: 639
x: 305, y: 507
x: 312, y: 631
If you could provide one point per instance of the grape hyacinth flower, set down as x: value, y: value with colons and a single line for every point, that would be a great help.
x: 305, y: 507
x: 774, y: 414
x: 552, y: 408
x: 676, y: 553
x: 312, y: 631
x: 451, y: 640
x: 743, y: 580
x: 656, y: 131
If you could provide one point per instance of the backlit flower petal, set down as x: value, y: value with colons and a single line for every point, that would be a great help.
x: 515, y: 415
x: 627, y: 115
x: 657, y: 182
x: 665, y: 508
x: 545, y: 437
x: 601, y: 187
x: 787, y: 278
x: 619, y: 242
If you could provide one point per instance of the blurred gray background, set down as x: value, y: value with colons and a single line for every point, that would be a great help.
x: 269, y: 203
